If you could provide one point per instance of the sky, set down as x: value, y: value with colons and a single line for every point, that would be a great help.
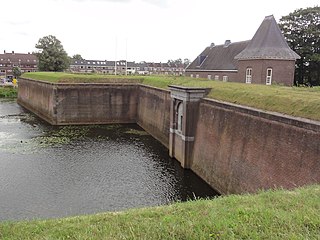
x: 136, y: 30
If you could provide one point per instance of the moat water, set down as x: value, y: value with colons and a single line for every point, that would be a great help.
x: 48, y: 171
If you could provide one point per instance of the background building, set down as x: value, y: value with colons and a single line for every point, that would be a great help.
x: 265, y: 59
x: 26, y: 62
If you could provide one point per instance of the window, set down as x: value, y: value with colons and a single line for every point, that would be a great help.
x: 269, y: 76
x: 197, y: 75
x: 209, y: 76
x: 249, y: 75
x: 191, y: 75
x: 216, y: 77
x: 180, y: 116
x: 225, y: 78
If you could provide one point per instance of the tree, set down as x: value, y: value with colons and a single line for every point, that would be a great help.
x: 77, y: 57
x: 51, y: 55
x: 16, y: 72
x: 302, y: 31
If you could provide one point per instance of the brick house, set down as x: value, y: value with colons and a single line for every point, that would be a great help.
x: 26, y: 62
x: 265, y: 59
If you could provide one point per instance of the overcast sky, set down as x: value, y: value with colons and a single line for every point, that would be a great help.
x: 150, y: 30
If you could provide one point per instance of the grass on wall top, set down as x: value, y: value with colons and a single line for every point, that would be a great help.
x: 295, y: 101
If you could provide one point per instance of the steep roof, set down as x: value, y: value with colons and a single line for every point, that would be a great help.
x: 268, y: 43
x: 220, y: 57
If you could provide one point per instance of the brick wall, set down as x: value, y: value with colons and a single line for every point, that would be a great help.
x: 282, y: 71
x: 154, y: 112
x: 239, y: 149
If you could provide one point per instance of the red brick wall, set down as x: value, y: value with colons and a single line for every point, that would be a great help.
x: 38, y: 97
x: 232, y: 76
x: 153, y: 112
x: 238, y: 150
x: 282, y: 71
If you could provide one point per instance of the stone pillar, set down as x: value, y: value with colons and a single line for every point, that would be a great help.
x: 183, y: 119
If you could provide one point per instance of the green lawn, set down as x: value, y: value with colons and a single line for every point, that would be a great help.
x: 295, y: 101
x: 267, y: 215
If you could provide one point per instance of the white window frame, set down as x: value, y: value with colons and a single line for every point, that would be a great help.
x: 248, y: 75
x: 216, y: 77
x: 191, y: 75
x: 225, y: 78
x: 209, y: 77
x: 269, y: 77
x: 197, y: 75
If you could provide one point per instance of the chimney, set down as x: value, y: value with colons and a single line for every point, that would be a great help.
x: 12, y: 52
x: 227, y: 43
x: 212, y: 45
x: 4, y: 51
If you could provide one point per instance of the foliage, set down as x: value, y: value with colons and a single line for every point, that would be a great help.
x: 51, y: 55
x: 77, y: 57
x: 16, y: 72
x: 179, y: 61
x: 302, y: 31
x: 295, y: 101
x: 8, y: 92
x: 267, y: 215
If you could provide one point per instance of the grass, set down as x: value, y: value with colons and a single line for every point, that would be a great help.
x: 295, y: 101
x: 267, y: 215
x: 8, y: 92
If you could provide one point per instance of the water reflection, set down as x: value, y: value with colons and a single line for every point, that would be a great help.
x: 49, y: 171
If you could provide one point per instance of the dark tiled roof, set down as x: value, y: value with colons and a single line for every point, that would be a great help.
x: 220, y: 57
x: 15, y: 57
x: 268, y: 43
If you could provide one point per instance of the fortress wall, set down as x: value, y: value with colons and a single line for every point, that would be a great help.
x: 154, y: 112
x: 239, y: 149
x: 39, y: 98
x: 236, y: 149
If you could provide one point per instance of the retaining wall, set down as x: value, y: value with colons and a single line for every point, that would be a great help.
x: 154, y: 112
x: 236, y: 149
x: 239, y: 149
x: 39, y: 97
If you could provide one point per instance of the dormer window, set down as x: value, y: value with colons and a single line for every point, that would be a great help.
x: 201, y: 59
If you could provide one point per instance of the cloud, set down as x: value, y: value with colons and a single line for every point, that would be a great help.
x: 159, y: 3
x: 115, y: 1
x: 17, y: 23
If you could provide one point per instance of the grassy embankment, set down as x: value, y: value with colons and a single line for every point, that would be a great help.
x: 8, y: 92
x: 267, y: 215
x: 295, y: 101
